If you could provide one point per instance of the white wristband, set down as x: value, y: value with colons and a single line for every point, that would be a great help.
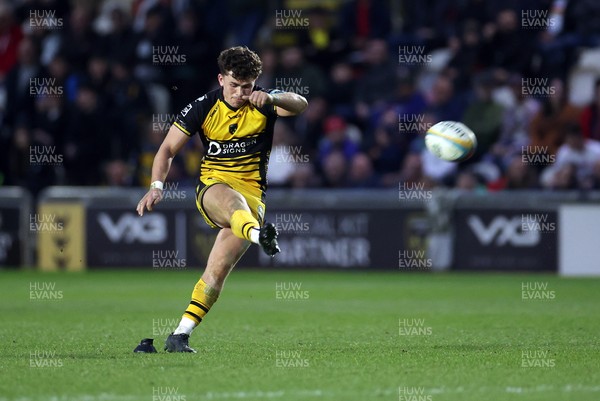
x: 157, y: 185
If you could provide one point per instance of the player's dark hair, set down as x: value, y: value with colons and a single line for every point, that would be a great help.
x: 243, y: 63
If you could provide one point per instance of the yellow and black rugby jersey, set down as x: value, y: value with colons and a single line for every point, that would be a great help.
x: 237, y: 142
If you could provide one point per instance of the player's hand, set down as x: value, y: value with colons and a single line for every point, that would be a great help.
x: 259, y: 98
x: 152, y: 197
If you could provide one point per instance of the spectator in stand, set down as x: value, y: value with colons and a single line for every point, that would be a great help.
x: 198, y: 47
x: 575, y: 24
x: 499, y: 51
x: 117, y: 173
x: 130, y: 104
x: 577, y: 151
x: 339, y: 136
x: 98, y: 75
x: 10, y: 37
x: 411, y: 174
x: 387, y: 146
x: 361, y: 173
x: 268, y: 55
x: 363, y: 20
x: 484, y: 115
x: 427, y: 23
x: 309, y: 125
x: 548, y: 127
x: 515, y: 123
x: 18, y: 84
x: 285, y: 156
x: 378, y: 82
x: 593, y: 181
x: 442, y: 100
x: 341, y: 91
x: 86, y: 142
x: 518, y: 175
x: 590, y: 117
x: 465, y: 61
x: 49, y: 121
x: 247, y: 16
x: 297, y: 75
x: 154, y: 40
x: 320, y: 41
x: 120, y: 41
x: 79, y: 41
x: 335, y: 170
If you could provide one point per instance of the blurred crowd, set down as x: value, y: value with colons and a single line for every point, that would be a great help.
x: 88, y: 89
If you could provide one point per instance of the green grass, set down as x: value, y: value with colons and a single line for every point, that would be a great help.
x: 347, y: 333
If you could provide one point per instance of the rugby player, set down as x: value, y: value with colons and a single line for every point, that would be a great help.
x: 235, y: 124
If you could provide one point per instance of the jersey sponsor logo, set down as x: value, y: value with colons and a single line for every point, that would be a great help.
x: 186, y: 109
x: 502, y: 231
x: 234, y: 148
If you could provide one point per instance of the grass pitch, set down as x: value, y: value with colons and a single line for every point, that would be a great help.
x: 323, y: 336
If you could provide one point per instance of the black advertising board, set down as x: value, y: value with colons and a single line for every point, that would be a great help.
x: 338, y: 238
x: 505, y: 240
x: 10, y: 243
x: 118, y: 237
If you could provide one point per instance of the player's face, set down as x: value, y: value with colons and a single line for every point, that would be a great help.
x: 234, y: 89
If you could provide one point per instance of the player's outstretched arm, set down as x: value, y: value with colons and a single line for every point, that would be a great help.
x: 171, y: 145
x: 287, y: 103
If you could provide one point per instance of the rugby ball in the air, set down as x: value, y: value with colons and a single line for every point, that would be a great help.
x: 451, y: 140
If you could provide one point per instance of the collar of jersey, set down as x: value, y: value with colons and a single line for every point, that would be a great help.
x: 230, y: 107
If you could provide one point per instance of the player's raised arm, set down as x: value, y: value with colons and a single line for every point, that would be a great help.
x: 287, y: 103
x: 171, y: 145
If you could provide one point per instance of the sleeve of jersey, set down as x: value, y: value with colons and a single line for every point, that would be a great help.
x: 188, y: 120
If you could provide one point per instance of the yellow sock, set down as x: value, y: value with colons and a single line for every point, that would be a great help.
x: 203, y: 297
x: 242, y: 222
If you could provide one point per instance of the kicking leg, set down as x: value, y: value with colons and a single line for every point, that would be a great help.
x: 225, y: 253
x: 228, y: 208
